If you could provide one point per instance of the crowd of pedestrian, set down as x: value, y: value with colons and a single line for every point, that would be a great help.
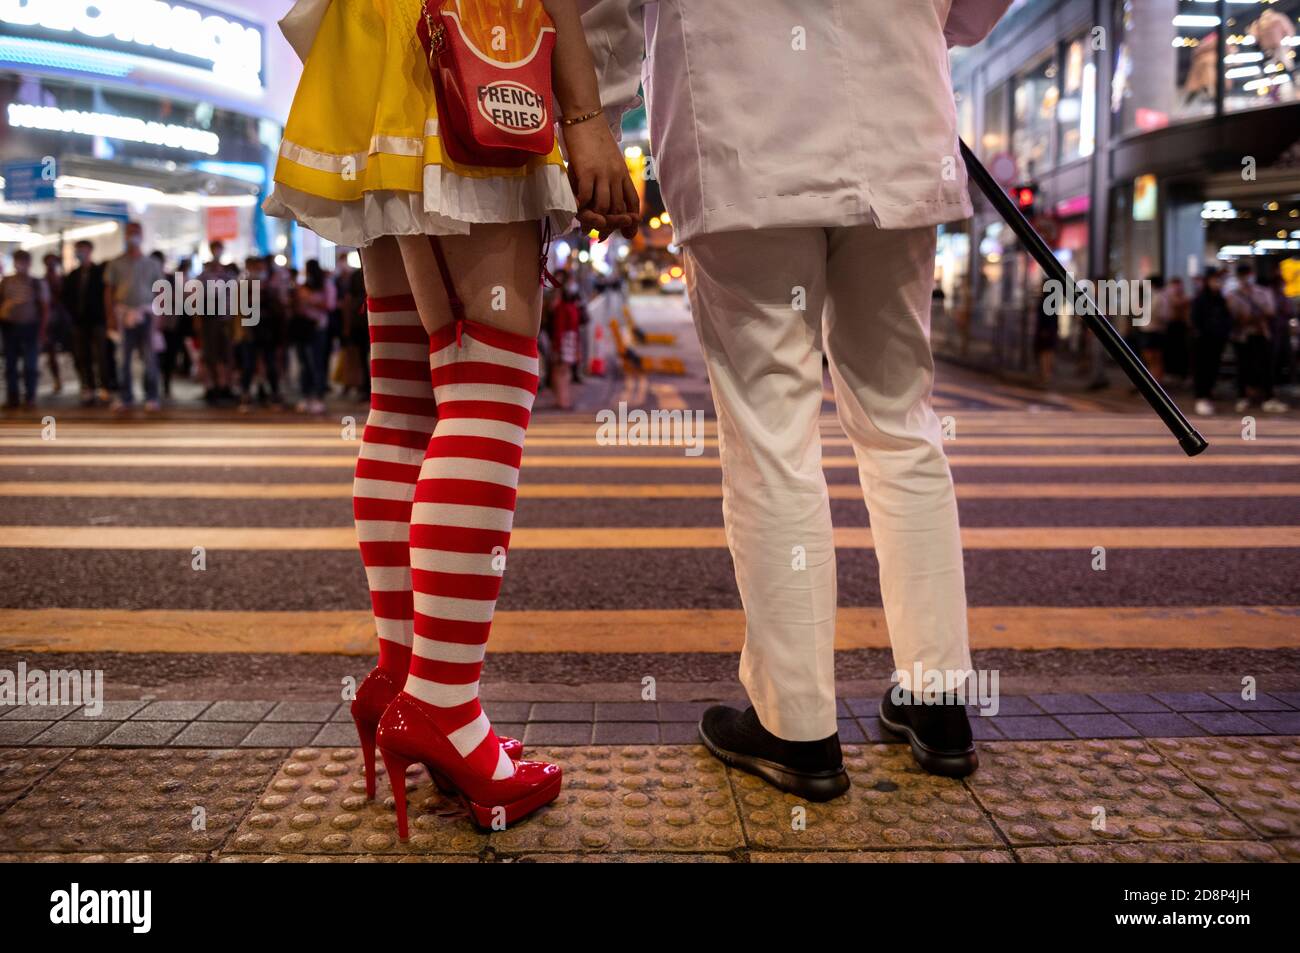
x: 1188, y: 334
x: 257, y: 333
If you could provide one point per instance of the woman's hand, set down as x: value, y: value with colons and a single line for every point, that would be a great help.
x: 607, y: 199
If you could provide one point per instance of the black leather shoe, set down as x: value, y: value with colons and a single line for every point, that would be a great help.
x: 812, y: 770
x: 939, y: 733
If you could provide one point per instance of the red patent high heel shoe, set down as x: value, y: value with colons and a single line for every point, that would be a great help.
x: 407, y: 735
x: 374, y: 694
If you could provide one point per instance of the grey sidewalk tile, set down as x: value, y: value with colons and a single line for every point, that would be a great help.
x: 1165, y: 724
x: 562, y: 711
x: 13, y: 732
x: 1279, y: 722
x: 683, y: 711
x: 508, y: 729
x: 280, y: 734
x: 850, y: 731
x: 37, y: 712
x: 302, y: 712
x: 1098, y: 726
x: 1122, y: 703
x: 863, y: 707
x: 507, y: 711
x: 627, y: 711
x: 1226, y: 723
x: 171, y: 711
x: 1263, y: 702
x: 1288, y: 698
x: 1016, y: 705
x: 842, y: 709
x: 1067, y: 704
x: 112, y: 711
x: 74, y: 733
x: 626, y: 733
x: 876, y: 732
x: 141, y: 734
x: 213, y: 734
x: 344, y: 713
x: 679, y: 733
x: 334, y: 735
x: 1191, y: 701
x: 237, y: 711
x: 558, y: 733
x: 1031, y: 728
x: 984, y: 729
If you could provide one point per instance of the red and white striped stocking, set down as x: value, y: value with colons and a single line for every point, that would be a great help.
x: 484, y: 380
x: 403, y: 412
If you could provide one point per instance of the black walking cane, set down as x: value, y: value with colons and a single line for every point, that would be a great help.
x: 1188, y: 438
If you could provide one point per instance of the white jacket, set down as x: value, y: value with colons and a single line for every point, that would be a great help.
x: 770, y: 113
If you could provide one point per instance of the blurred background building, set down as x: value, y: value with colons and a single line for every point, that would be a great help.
x: 165, y: 112
x: 1143, y: 137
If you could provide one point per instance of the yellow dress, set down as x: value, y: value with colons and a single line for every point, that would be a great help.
x: 361, y: 156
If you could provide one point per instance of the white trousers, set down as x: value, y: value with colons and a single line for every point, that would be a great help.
x: 765, y: 304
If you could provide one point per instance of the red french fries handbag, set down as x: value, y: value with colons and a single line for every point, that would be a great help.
x: 491, y: 66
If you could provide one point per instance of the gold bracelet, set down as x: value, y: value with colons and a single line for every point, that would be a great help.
x: 583, y: 118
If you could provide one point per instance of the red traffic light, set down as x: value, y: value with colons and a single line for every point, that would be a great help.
x: 1024, y: 196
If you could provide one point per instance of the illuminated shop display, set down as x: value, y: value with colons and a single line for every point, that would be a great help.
x: 186, y: 35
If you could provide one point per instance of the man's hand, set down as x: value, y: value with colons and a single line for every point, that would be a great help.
x: 607, y: 199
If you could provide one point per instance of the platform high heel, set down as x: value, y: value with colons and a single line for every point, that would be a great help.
x: 374, y: 694
x: 407, y: 735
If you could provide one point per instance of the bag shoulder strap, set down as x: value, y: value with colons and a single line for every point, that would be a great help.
x: 453, y: 299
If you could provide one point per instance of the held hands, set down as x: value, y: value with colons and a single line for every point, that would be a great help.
x: 607, y: 199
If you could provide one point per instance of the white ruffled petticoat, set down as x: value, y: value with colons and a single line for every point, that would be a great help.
x: 450, y: 204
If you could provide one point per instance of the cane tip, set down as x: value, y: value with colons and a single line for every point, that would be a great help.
x: 1192, y: 443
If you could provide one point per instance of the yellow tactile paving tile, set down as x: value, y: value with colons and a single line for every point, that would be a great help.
x: 634, y: 461
x: 639, y: 630
x: 652, y: 491
x: 638, y: 537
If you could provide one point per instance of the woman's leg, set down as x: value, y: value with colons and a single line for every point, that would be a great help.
x: 396, y: 435
x: 52, y: 358
x: 561, y: 381
x: 484, y: 376
x: 321, y: 352
x: 306, y: 368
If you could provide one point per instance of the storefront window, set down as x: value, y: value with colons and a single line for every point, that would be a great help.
x: 952, y: 262
x: 1134, y: 229
x: 189, y: 172
x: 1259, y: 61
x: 965, y: 115
x: 1164, y: 63
x: 950, y: 306
x: 1076, y: 113
x: 1036, y: 100
x: 996, y: 137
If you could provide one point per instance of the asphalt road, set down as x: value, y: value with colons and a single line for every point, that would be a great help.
x: 1041, y: 465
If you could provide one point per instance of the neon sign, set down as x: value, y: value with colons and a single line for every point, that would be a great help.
x: 126, y: 128
x: 183, y: 33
